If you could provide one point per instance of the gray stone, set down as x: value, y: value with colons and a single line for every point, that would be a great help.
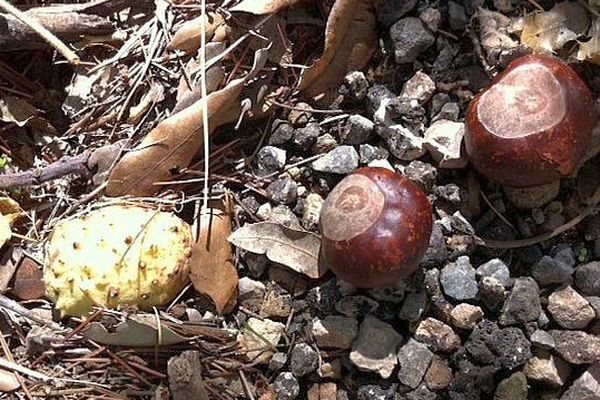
x: 595, y: 304
x: 376, y: 347
x: 324, y: 144
x: 286, y: 386
x: 457, y: 16
x: 410, y: 38
x: 495, y: 268
x: 334, y: 331
x: 312, y: 210
x: 248, y: 288
x: 378, y: 96
x: 542, y: 340
x: 283, y: 190
x: 357, y: 130
x: 577, y: 347
x: 270, y: 160
x: 413, y: 306
x: 304, y: 138
x: 414, y: 359
x: 437, y: 252
x: 458, y: 279
x: 569, y: 309
x: 282, y: 132
x: 443, y: 139
x: 401, y: 142
x: 304, y: 359
x: 586, y: 387
x: 512, y: 388
x: 421, y: 393
x: 357, y: 84
x: 277, y: 361
x: 431, y: 17
x: 547, y: 369
x: 300, y: 114
x: 587, y: 278
x: 437, y: 335
x: 523, y: 304
x: 548, y: 271
x: 492, y: 292
x: 422, y: 173
x: 449, y: 111
x: 370, y: 153
x: 374, y: 392
x: 419, y: 87
x: 341, y: 160
x: 284, y: 216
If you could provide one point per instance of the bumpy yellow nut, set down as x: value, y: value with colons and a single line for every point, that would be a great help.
x: 117, y: 256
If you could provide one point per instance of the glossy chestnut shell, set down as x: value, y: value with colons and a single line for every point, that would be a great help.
x: 376, y: 227
x: 532, y: 124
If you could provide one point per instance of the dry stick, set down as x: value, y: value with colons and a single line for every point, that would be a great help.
x: 40, y: 30
x: 13, y: 306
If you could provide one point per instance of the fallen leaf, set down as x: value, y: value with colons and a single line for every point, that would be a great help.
x: 262, y: 7
x: 590, y: 50
x: 187, y: 38
x: 135, y: 331
x: 298, y: 250
x: 155, y: 94
x: 5, y: 230
x: 16, y: 110
x: 176, y: 140
x: 350, y: 41
x: 8, y: 265
x: 211, y: 268
x: 29, y: 280
x: 550, y: 30
x: 8, y: 381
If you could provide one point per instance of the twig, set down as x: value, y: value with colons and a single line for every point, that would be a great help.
x: 42, y: 31
x: 19, y: 309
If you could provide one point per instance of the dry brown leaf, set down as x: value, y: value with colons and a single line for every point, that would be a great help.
x: 176, y: 140
x: 16, y: 110
x: 29, y: 280
x: 187, y: 37
x: 298, y: 250
x: 262, y: 7
x: 212, y: 271
x: 350, y: 41
x: 155, y: 94
x: 8, y: 381
x: 5, y: 230
x: 8, y: 265
x: 590, y: 50
x: 550, y: 30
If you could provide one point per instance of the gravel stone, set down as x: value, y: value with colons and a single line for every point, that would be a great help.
x: 514, y: 388
x: 569, y: 309
x: 577, y: 347
x: 277, y: 361
x: 356, y: 84
x: 586, y: 387
x: 413, y: 306
x: 595, y: 304
x: 370, y: 153
x: 495, y: 268
x: 341, y: 160
x: 378, y: 95
x: 465, y: 316
x: 356, y: 306
x: 335, y: 331
x: 549, y: 270
x: 437, y: 252
x: 312, y: 210
x: 431, y: 17
x: 449, y: 111
x: 357, y: 130
x: 300, y: 114
x: 304, y: 138
x: 439, y: 374
x: 283, y: 190
x: 489, y: 344
x: 286, y: 386
x: 376, y: 347
x: 282, y: 132
x: 248, y: 287
x: 324, y: 144
x: 437, y: 335
x: 414, y: 359
x: 254, y: 338
x: 419, y: 87
x: 542, y: 340
x: 304, y: 359
x: 587, y: 279
x: 270, y: 160
x: 458, y: 279
x: 443, y: 139
x: 422, y: 173
x: 401, y: 142
x: 421, y: 393
x: 523, y: 304
x: 410, y: 38
x: 492, y: 292
x: 457, y: 16
x: 375, y: 392
x: 547, y: 369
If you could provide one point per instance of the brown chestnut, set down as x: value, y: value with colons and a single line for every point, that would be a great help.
x: 376, y: 227
x: 532, y: 124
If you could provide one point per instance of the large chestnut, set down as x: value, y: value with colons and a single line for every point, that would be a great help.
x: 532, y: 124
x: 375, y: 227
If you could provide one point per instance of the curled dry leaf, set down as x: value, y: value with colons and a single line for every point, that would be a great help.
x: 550, y: 30
x: 262, y: 7
x: 8, y: 381
x: 298, y: 250
x: 350, y: 41
x: 187, y: 37
x: 212, y: 271
x: 150, y: 98
x: 590, y: 50
x: 135, y: 331
x: 16, y: 110
x: 176, y: 140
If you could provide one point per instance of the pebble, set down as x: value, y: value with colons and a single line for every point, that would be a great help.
x: 410, y: 38
x: 254, y: 338
x: 357, y: 84
x: 595, y: 304
x: 414, y: 359
x: 542, y: 340
x: 413, y: 306
x: 357, y: 130
x: 322, y: 391
x: 495, y: 268
x: 492, y: 292
x: 577, y: 347
x: 324, y: 144
x: 277, y: 361
x: 304, y: 138
x: 330, y: 369
x: 270, y: 160
x: 378, y: 95
x: 286, y: 386
x: 303, y: 360
x: 419, y: 87
x: 370, y: 153
x: 283, y: 190
x: 569, y: 309
x: 421, y: 393
x: 312, y: 210
x: 547, y: 369
x: 457, y: 16
x: 264, y: 211
x: 422, y: 173
x: 549, y: 270
x: 488, y: 344
x: 512, y: 388
x: 281, y: 133
x: 465, y: 316
x: 458, y: 279
x: 356, y: 306
x: 449, y: 111
x: 437, y: 335
x: 248, y: 288
x: 437, y: 252
x: 300, y: 114
x: 431, y: 17
x: 390, y: 11
x: 443, y: 139
x: 439, y: 374
x: 376, y: 347
x: 283, y: 215
x: 374, y: 392
x: 401, y: 142
x: 586, y: 387
x: 334, y: 331
x: 341, y: 160
x: 587, y: 278
x: 523, y: 304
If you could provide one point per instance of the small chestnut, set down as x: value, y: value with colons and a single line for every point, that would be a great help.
x: 532, y: 125
x: 375, y: 227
